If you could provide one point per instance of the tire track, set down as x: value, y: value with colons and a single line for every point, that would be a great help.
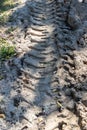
x: 65, y: 45
x: 39, y: 64
x: 48, y: 68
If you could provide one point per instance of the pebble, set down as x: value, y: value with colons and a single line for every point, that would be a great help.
x: 73, y: 19
x: 71, y: 105
x: 84, y: 99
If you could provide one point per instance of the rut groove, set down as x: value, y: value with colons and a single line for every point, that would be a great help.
x: 47, y: 53
x: 40, y: 63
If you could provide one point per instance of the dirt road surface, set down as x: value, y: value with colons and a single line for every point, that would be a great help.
x: 44, y: 86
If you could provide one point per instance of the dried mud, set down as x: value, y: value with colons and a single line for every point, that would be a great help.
x: 45, y: 83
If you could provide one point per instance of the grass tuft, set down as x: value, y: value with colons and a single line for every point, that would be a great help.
x: 5, y: 5
x: 5, y: 8
x: 6, y: 50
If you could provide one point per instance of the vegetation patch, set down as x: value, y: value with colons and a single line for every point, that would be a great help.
x: 5, y: 7
x: 6, y: 50
x: 3, y: 19
x: 1, y: 77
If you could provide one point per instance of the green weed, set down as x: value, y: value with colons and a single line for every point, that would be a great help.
x: 5, y: 7
x: 3, y: 19
x: 6, y: 50
x: 1, y: 77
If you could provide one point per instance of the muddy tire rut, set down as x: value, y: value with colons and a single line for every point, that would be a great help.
x: 47, y: 84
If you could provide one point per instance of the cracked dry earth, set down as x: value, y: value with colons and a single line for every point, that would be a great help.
x: 45, y: 84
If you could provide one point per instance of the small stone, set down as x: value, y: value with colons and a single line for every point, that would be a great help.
x: 68, y: 92
x: 71, y: 105
x: 82, y: 42
x: 84, y: 100
x: 73, y: 19
x: 40, y: 119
